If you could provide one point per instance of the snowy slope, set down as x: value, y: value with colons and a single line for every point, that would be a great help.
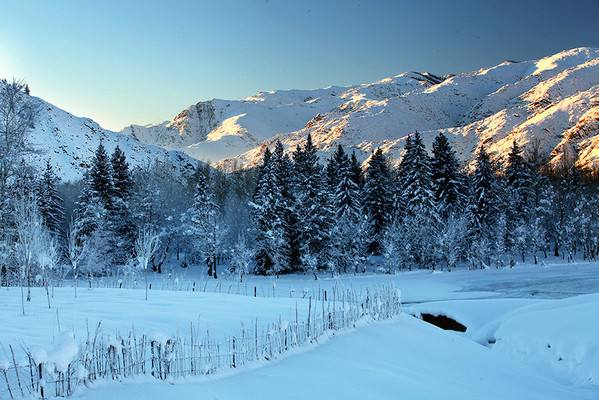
x: 404, y: 359
x: 550, y: 104
x: 69, y: 142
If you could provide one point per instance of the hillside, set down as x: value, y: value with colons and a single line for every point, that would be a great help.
x: 550, y: 104
x: 69, y: 142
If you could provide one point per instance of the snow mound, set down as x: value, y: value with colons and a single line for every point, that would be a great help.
x: 559, y: 333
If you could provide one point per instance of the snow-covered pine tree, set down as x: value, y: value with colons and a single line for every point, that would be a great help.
x: 377, y: 199
x: 419, y: 201
x: 49, y: 202
x: 347, y: 193
x: 119, y: 218
x: 417, y: 184
x: 483, y: 210
x: 448, y: 182
x: 356, y: 171
x: 314, y: 212
x: 399, y: 200
x: 93, y: 206
x: 287, y: 206
x: 101, y: 177
x: 121, y: 176
x: 518, y: 198
x: 85, y: 210
x: 271, y: 250
x: 332, y: 170
x: 204, y: 218
x: 346, y: 233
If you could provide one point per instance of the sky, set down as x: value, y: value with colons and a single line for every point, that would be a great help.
x: 143, y: 61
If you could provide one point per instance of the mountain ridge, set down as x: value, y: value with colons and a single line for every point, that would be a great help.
x: 492, y: 106
x: 69, y: 142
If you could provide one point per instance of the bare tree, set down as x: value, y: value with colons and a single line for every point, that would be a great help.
x: 48, y: 259
x: 29, y: 232
x: 146, y: 244
x: 241, y: 258
x: 18, y: 112
x: 76, y: 249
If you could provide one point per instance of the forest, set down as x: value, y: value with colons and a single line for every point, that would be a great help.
x: 295, y: 213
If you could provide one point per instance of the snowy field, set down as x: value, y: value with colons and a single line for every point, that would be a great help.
x: 531, y: 333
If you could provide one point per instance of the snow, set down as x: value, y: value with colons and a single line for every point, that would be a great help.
x: 474, y: 314
x: 531, y: 334
x: 557, y: 335
x: 533, y: 102
x: 561, y: 334
x: 121, y: 310
x: 405, y: 358
x: 493, y: 105
x: 70, y: 142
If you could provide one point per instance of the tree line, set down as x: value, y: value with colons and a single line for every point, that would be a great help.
x: 427, y: 212
x: 295, y: 212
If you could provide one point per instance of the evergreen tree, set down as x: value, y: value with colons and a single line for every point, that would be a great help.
x: 417, y: 181
x: 356, y: 171
x: 377, y: 199
x: 519, y: 182
x: 121, y: 176
x: 204, y: 217
x: 271, y: 250
x: 483, y: 211
x: 119, y: 219
x: 347, y: 193
x: 405, y: 165
x: 49, y: 201
x: 313, y: 208
x: 417, y: 201
x: 448, y: 184
x: 287, y: 205
x: 101, y: 177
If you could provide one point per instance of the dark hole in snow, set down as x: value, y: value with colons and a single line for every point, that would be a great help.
x: 443, y: 322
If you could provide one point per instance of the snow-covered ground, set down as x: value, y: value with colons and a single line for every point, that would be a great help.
x: 555, y: 279
x: 121, y: 310
x: 406, y: 358
x: 531, y: 333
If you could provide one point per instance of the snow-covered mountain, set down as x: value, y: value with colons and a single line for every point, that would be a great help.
x: 69, y: 142
x: 551, y: 104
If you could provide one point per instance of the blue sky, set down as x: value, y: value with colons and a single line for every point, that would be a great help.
x: 143, y: 61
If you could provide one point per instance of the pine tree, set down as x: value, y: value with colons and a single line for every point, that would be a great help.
x: 483, y: 211
x: 121, y: 176
x: 417, y: 201
x: 287, y: 206
x: 347, y: 193
x: 204, y: 217
x: 356, y: 171
x: 346, y: 235
x: 377, y: 199
x: 271, y: 250
x: 88, y: 209
x: 416, y: 181
x: 448, y: 184
x: 93, y: 208
x: 334, y: 165
x: 100, y: 176
x: 49, y: 202
x: 119, y: 218
x: 314, y: 210
x: 518, y: 201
